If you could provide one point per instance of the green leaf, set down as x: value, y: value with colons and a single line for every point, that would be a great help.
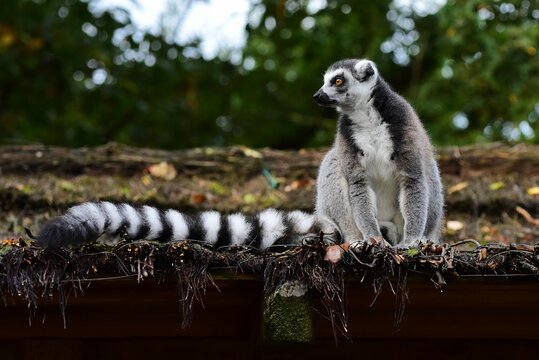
x: 412, y: 252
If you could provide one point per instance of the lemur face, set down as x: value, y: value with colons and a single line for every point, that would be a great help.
x: 347, y: 83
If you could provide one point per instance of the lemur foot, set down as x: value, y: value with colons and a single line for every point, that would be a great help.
x: 331, y: 238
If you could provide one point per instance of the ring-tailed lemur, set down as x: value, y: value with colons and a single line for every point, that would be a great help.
x: 380, y: 177
x: 88, y: 221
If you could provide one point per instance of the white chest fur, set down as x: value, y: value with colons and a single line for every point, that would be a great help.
x: 373, y: 138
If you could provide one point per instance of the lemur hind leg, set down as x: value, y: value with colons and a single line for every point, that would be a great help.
x: 333, y: 210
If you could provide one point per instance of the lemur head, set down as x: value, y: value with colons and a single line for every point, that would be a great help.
x: 347, y: 84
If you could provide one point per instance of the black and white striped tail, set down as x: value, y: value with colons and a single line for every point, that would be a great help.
x: 86, y: 222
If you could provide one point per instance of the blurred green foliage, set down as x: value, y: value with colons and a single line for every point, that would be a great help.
x: 73, y: 77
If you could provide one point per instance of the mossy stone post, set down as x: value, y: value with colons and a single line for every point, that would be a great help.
x: 287, y: 314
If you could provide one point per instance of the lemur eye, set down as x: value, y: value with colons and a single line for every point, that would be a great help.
x: 338, y: 82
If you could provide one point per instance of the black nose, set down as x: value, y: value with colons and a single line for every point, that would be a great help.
x: 323, y: 99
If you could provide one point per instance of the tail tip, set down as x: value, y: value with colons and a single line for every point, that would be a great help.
x: 60, y: 233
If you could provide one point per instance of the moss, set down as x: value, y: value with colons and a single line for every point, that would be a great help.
x: 287, y: 315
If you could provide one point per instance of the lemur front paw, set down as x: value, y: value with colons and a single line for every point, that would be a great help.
x: 373, y: 241
x: 410, y: 243
x: 379, y: 240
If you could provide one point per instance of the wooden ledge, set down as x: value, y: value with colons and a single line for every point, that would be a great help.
x: 479, y: 308
x: 473, y: 317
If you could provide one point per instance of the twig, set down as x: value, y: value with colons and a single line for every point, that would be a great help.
x: 527, y: 216
x: 467, y: 241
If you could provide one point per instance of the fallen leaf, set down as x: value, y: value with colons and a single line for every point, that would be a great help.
x: 457, y: 187
x: 163, y: 170
x: 297, y: 184
x: 482, y: 254
x: 146, y: 179
x: 533, y: 190
x: 12, y: 241
x: 453, y: 226
x: 251, y: 153
x: 496, y: 185
x: 198, y: 198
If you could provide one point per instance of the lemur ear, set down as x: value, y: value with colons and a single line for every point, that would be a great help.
x: 365, y: 69
x: 368, y: 72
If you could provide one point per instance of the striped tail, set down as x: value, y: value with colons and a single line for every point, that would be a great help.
x: 86, y: 222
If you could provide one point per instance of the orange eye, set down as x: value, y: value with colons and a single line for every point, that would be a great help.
x: 338, y: 82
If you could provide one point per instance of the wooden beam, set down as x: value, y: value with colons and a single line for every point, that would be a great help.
x: 113, y: 319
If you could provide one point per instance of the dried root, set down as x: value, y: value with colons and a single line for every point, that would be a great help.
x: 32, y: 273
